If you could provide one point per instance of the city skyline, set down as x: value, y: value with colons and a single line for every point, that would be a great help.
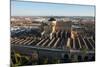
x: 23, y: 8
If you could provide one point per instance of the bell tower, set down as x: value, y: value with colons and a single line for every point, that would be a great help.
x: 52, y: 22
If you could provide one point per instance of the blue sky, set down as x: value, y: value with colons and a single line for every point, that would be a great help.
x: 22, y: 8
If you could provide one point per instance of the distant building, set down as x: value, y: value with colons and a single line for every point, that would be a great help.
x: 63, y: 25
